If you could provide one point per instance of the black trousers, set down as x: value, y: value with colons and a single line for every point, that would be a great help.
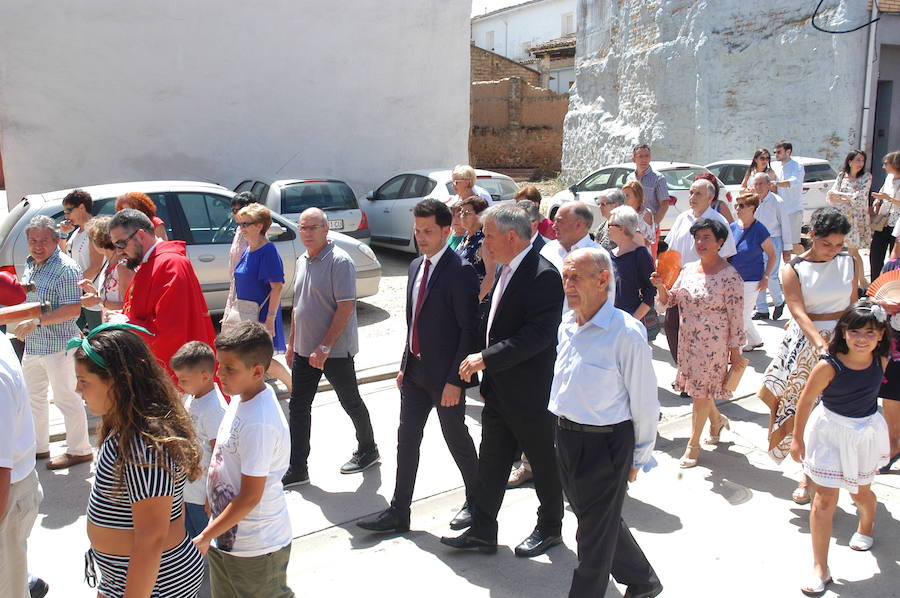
x: 416, y: 402
x: 882, y: 244
x: 305, y: 380
x: 502, y: 434
x: 672, y: 325
x: 594, y: 469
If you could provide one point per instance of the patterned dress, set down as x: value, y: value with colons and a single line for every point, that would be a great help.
x: 857, y: 210
x: 711, y: 311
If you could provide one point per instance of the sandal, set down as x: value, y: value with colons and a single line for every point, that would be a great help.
x: 887, y: 467
x: 800, y: 495
x: 713, y: 438
x: 688, y: 462
x: 816, y: 586
x: 861, y: 542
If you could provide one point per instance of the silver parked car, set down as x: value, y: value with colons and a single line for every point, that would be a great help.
x: 197, y: 213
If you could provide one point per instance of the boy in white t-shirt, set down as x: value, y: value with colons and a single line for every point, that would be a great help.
x: 194, y: 365
x: 249, y: 538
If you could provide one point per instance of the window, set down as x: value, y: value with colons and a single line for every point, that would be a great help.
x: 489, y: 41
x: 418, y: 186
x: 324, y: 195
x: 392, y: 188
x: 500, y: 189
x: 598, y: 181
x: 208, y: 218
x: 568, y: 24
x: 729, y: 174
x: 244, y: 186
x: 260, y: 191
x: 818, y: 172
x: 680, y: 179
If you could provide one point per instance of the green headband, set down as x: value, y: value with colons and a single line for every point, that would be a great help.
x: 78, y: 341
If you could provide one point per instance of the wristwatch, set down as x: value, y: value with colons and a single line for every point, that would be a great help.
x: 325, y: 349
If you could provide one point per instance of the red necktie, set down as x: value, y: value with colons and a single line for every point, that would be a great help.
x: 422, y: 286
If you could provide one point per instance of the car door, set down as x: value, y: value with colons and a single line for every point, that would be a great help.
x: 379, y: 206
x: 210, y: 230
x: 414, y: 190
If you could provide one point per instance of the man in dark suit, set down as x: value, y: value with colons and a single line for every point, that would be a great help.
x: 519, y: 340
x: 442, y: 317
x: 534, y: 214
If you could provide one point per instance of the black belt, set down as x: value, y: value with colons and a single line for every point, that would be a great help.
x: 567, y: 424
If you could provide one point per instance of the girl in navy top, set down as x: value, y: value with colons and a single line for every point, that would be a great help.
x: 843, y: 439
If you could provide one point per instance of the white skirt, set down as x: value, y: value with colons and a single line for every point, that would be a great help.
x: 844, y: 452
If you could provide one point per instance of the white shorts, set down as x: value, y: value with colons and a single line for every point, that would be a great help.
x: 796, y: 222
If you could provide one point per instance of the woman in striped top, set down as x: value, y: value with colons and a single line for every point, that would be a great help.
x: 135, y: 511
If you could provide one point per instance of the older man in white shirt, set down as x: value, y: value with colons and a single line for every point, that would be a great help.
x: 572, y: 224
x: 603, y: 438
x: 789, y: 180
x: 773, y: 215
x: 680, y: 239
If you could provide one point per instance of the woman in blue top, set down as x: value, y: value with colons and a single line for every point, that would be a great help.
x: 259, y: 277
x: 752, y: 239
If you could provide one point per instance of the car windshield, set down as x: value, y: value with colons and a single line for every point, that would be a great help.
x: 818, y: 172
x: 680, y: 179
x: 326, y: 195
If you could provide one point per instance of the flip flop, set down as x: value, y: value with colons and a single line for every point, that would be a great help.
x: 800, y: 495
x: 887, y: 468
x: 860, y: 542
x: 816, y: 586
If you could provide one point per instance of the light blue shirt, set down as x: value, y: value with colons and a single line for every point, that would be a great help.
x: 604, y: 375
x: 794, y: 173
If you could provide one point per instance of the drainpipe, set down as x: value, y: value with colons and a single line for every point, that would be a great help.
x: 867, y: 94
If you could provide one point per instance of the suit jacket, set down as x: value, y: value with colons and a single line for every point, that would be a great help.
x: 539, y: 242
x: 165, y: 298
x: 447, y: 321
x: 521, y: 351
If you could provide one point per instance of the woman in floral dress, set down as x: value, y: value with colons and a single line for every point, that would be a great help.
x: 850, y: 195
x: 710, y: 296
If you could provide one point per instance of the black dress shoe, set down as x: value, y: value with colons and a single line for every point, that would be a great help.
x: 537, y: 543
x: 463, y: 519
x: 386, y: 521
x: 644, y: 591
x: 37, y: 587
x: 776, y: 313
x: 761, y: 315
x: 466, y: 541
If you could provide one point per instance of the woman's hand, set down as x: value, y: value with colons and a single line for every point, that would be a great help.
x: 798, y: 449
x: 269, y: 325
x: 889, y: 305
x: 735, y: 355
x: 657, y: 281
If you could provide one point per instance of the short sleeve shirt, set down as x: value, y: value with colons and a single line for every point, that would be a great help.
x: 748, y: 261
x: 56, y: 282
x: 206, y: 414
x: 656, y: 189
x: 321, y: 282
x: 17, y: 442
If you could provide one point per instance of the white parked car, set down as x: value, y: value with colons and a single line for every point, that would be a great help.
x: 197, y: 213
x: 289, y: 197
x: 679, y: 176
x: 389, y: 207
x: 817, y: 181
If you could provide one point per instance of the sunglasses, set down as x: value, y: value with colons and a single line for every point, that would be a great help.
x: 124, y: 243
x: 466, y: 212
x: 68, y: 210
x: 245, y: 224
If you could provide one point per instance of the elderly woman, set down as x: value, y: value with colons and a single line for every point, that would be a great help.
x: 633, y: 264
x: 819, y: 285
x: 761, y: 161
x: 608, y: 200
x: 457, y: 232
x: 718, y: 205
x: 462, y: 181
x: 754, y: 261
x: 850, y: 195
x: 531, y: 193
x: 238, y: 242
x: 470, y: 248
x: 142, y: 202
x: 709, y: 294
x: 114, y: 277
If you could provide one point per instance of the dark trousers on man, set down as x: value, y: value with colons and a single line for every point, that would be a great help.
x: 502, y: 435
x: 341, y: 373
x: 594, y: 467
x: 672, y: 325
x: 416, y: 402
x: 882, y: 244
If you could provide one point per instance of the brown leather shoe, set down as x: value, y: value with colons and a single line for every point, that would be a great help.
x: 66, y: 460
x: 42, y: 455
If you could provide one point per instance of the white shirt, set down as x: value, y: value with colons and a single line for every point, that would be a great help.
x: 417, y: 284
x: 253, y: 440
x: 556, y: 253
x: 80, y: 251
x: 149, y: 251
x: 483, y: 194
x: 793, y: 172
x: 771, y: 212
x: 680, y: 239
x: 206, y: 414
x: 498, y: 290
x: 604, y: 375
x: 17, y: 442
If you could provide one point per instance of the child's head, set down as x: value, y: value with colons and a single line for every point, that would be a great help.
x: 863, y: 327
x: 194, y: 365
x: 244, y: 354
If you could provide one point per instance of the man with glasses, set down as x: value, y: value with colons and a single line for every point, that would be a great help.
x: 45, y: 364
x: 656, y: 189
x: 323, y: 340
x: 77, y: 207
x: 164, y: 296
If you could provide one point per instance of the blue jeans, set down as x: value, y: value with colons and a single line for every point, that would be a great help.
x: 774, y: 281
x: 195, y: 519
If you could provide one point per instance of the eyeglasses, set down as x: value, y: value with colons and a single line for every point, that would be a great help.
x: 615, y: 225
x: 608, y: 203
x: 466, y: 212
x: 310, y: 228
x: 235, y: 210
x: 68, y: 210
x: 246, y: 224
x: 740, y: 205
x: 766, y: 158
x: 124, y: 243
x: 454, y: 181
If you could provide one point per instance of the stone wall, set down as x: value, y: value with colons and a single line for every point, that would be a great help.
x: 488, y: 66
x: 516, y: 125
x: 708, y: 80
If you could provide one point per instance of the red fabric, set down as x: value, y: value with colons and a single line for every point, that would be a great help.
x: 422, y: 287
x: 165, y: 298
x: 157, y: 221
x: 546, y: 229
x: 11, y: 292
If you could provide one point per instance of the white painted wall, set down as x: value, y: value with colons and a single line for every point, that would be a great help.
x: 517, y: 29
x: 708, y: 80
x: 561, y: 78
x: 105, y: 91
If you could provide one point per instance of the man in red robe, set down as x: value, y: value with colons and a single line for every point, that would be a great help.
x: 164, y: 296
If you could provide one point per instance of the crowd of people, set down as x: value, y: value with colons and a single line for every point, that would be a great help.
x: 551, y: 321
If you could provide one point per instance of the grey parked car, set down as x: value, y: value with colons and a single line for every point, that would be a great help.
x: 197, y: 213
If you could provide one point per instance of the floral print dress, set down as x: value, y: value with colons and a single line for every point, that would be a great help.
x: 857, y: 210
x: 711, y: 311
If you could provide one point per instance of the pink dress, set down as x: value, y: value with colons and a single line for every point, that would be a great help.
x: 711, y: 310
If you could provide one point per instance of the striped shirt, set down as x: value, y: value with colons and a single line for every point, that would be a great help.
x: 110, y: 502
x: 56, y: 282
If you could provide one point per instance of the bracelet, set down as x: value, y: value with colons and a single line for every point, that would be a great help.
x: 273, y: 313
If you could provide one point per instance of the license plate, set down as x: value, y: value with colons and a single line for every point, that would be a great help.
x: 336, y: 224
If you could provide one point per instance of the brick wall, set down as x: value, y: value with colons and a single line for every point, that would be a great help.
x: 886, y: 5
x: 488, y: 66
x: 517, y: 125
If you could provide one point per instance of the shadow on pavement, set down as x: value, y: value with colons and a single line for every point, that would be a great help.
x: 368, y: 314
x: 66, y: 494
x: 649, y: 518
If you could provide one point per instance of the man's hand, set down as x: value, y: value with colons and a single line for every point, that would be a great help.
x: 470, y: 366
x: 91, y: 296
x: 65, y: 227
x: 451, y: 395
x: 23, y: 329
x: 632, y: 475
x: 317, y: 359
x: 202, y: 544
x: 399, y: 379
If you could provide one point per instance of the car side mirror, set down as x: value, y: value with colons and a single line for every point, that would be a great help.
x: 275, y: 231
x: 370, y: 196
x: 573, y: 189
